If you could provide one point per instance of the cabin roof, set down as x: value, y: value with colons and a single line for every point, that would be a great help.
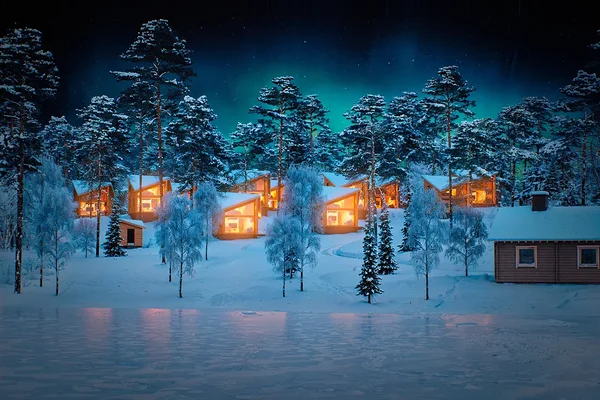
x: 147, y: 181
x: 556, y: 223
x: 334, y: 193
x: 440, y: 182
x: 336, y: 179
x: 230, y: 199
x: 238, y: 175
x: 274, y: 183
x: 82, y: 187
x: 135, y: 222
x: 379, y: 181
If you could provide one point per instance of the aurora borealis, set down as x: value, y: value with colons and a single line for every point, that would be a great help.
x: 339, y: 52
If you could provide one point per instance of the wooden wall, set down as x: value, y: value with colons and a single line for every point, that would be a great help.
x: 139, y: 234
x: 556, y: 263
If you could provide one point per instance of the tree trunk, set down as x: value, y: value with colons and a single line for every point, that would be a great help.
x: 302, y: 279
x: 280, y: 158
x: 513, y: 183
x: 283, y: 267
x: 98, y: 202
x: 369, y: 298
x: 160, y: 157
x: 42, y: 267
x: 583, y: 168
x: 426, y: 284
x: 19, y: 236
x: 372, y: 207
x: 56, y: 259
x: 170, y: 269
x: 141, y: 167
x: 470, y: 194
x: 207, y: 230
x: 449, y: 128
x: 180, y: 279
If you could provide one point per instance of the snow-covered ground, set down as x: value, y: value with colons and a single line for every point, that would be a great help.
x: 190, y: 354
x: 237, y: 277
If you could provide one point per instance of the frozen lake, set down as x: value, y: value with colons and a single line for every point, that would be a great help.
x: 189, y: 354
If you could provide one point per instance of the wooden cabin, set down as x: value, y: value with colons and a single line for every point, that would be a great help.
x: 483, y: 189
x: 132, y: 232
x: 390, y: 190
x: 86, y: 197
x: 258, y: 182
x: 150, y: 194
x: 332, y: 179
x: 538, y: 244
x: 240, y: 216
x: 341, y: 209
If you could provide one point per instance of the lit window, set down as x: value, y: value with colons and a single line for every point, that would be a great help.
x: 526, y: 256
x: 587, y: 256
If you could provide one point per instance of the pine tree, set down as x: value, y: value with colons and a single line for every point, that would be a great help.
x: 162, y: 61
x: 387, y: 262
x: 313, y: 116
x: 100, y: 146
x: 278, y: 118
x: 29, y: 76
x: 369, y: 280
x: 252, y: 143
x: 405, y: 245
x: 112, y: 245
x: 59, y: 138
x: 328, y: 151
x: 448, y: 97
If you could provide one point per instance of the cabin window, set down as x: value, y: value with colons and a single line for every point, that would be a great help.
x: 526, y: 256
x: 587, y: 256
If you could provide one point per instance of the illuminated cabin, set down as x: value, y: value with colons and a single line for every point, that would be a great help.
x: 150, y: 192
x: 86, y: 197
x: 258, y: 182
x: 483, y: 189
x: 341, y: 209
x: 332, y: 179
x: 240, y: 216
x: 390, y: 190
x: 132, y: 232
x: 273, y: 194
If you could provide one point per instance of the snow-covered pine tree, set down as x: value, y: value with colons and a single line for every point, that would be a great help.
x: 113, y: 244
x: 58, y: 138
x: 474, y: 148
x: 251, y: 144
x: 407, y: 193
x: 206, y: 204
x: 282, y: 241
x: 184, y: 236
x: 386, y: 264
x: 369, y: 280
x: 327, y: 151
x: 313, y: 117
x: 162, y: 61
x: 467, y: 238
x: 57, y: 213
x: 448, y: 97
x: 426, y: 232
x: 304, y: 200
x: 29, y: 76
x: 100, y: 145
x: 202, y: 153
x: 364, y: 141
x: 278, y: 117
x: 84, y: 234
x: 583, y: 97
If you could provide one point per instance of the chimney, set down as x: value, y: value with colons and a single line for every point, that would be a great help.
x: 539, y: 201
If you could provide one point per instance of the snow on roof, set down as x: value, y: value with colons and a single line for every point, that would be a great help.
x: 379, y: 181
x: 134, y: 222
x: 230, y: 199
x: 147, y: 180
x: 556, y: 223
x: 82, y: 187
x: 440, y: 182
x: 238, y: 175
x: 336, y: 179
x: 333, y: 193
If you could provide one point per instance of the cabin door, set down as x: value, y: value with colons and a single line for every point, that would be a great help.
x: 130, y: 236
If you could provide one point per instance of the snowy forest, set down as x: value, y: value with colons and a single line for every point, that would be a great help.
x: 157, y: 127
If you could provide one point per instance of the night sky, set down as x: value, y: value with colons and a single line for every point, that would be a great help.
x: 507, y: 50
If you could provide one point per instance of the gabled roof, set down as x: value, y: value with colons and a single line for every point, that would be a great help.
x: 556, y: 223
x: 336, y: 179
x: 440, y: 182
x: 134, y: 222
x: 231, y: 199
x: 274, y: 183
x: 384, y: 181
x: 237, y: 175
x: 334, y: 193
x: 147, y: 181
x: 82, y: 187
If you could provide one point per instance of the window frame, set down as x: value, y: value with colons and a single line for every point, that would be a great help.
x: 518, y: 263
x: 581, y: 247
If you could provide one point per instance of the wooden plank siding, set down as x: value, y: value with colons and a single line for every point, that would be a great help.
x: 138, y: 232
x: 556, y: 263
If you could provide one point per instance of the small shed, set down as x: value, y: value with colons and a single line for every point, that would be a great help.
x: 341, y: 210
x: 541, y: 244
x: 85, y: 195
x: 254, y: 182
x: 132, y: 232
x: 240, y: 216
x: 146, y: 191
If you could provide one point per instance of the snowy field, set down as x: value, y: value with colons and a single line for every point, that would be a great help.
x: 237, y: 277
x: 190, y: 354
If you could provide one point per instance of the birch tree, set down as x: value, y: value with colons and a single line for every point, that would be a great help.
x: 467, y: 238
x: 206, y: 204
